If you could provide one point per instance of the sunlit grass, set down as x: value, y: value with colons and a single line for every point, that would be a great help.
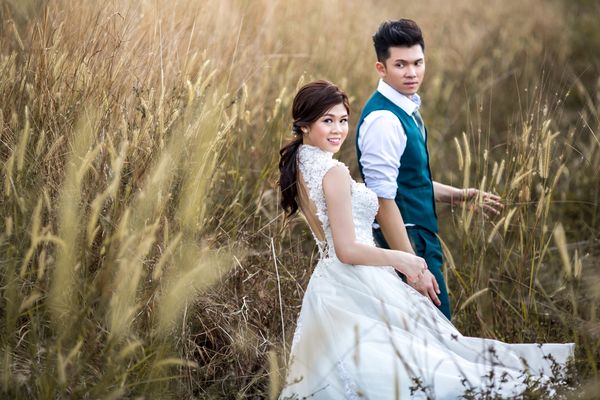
x: 143, y: 250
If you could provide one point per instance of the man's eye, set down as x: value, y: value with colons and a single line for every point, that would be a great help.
x: 400, y: 65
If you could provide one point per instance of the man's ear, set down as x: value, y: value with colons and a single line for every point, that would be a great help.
x: 380, y: 67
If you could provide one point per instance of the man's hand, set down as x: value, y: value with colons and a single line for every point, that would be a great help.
x: 428, y: 287
x: 489, y: 203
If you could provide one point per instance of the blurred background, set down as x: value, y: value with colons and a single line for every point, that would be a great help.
x: 144, y: 254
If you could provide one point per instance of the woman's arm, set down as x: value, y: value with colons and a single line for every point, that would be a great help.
x: 337, y: 192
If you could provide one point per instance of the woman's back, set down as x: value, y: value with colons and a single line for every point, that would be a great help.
x: 313, y: 164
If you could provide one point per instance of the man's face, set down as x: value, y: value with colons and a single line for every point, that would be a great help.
x: 404, y: 70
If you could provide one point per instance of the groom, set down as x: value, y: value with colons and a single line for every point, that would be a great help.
x: 391, y: 145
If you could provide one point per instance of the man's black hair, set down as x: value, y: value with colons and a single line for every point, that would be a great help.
x: 401, y: 33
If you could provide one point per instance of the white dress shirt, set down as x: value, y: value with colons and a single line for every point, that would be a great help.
x: 382, y: 141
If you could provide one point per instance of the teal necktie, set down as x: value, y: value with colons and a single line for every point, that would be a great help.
x: 420, y: 123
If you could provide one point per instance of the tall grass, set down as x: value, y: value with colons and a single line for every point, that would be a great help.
x: 143, y: 250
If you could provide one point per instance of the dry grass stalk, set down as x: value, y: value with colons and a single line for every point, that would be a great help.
x: 139, y: 136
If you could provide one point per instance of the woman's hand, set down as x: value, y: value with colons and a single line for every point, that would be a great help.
x: 413, y: 267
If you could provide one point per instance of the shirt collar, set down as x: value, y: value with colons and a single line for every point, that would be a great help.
x: 408, y: 104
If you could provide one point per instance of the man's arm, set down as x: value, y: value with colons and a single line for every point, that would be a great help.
x: 487, y: 202
x: 392, y: 225
x: 382, y: 142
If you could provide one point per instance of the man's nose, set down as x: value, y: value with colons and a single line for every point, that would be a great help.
x: 411, y: 70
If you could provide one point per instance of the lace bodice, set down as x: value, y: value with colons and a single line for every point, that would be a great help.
x: 314, y: 164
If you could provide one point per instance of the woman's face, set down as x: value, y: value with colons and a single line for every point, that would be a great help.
x: 329, y: 131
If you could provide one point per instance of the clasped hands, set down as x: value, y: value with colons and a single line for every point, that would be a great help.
x: 421, y: 279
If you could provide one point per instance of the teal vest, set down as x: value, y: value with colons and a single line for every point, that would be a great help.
x: 414, y: 196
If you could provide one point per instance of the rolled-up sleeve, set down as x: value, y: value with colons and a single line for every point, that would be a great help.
x: 382, y: 141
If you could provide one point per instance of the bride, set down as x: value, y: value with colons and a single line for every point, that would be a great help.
x: 362, y: 333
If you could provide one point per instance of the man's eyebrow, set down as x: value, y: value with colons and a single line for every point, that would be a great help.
x: 407, y: 61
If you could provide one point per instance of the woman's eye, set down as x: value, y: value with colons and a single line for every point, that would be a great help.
x: 344, y: 120
x: 327, y: 120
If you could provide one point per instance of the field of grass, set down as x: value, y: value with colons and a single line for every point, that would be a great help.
x: 143, y: 253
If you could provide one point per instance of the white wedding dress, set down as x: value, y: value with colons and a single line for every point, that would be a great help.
x: 362, y: 333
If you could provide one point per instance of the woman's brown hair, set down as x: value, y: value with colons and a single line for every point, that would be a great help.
x: 311, y: 102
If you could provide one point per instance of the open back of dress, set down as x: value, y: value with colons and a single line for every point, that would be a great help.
x: 309, y: 209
